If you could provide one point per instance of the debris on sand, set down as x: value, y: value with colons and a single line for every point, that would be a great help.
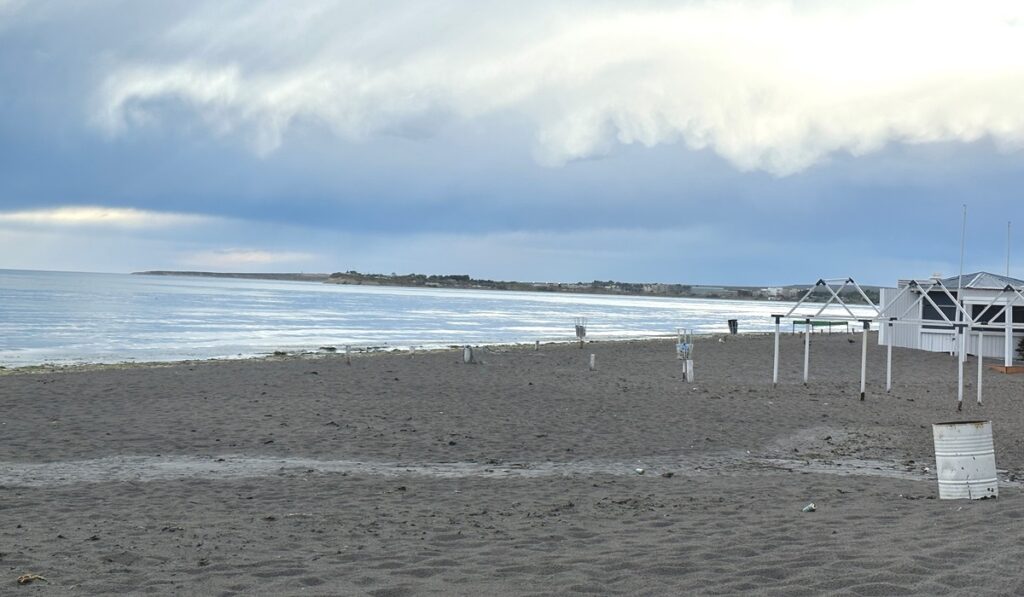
x: 25, y: 579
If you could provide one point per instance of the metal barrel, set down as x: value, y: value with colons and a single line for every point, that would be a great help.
x: 965, y: 460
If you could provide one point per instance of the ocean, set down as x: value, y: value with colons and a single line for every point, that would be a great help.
x: 76, y: 318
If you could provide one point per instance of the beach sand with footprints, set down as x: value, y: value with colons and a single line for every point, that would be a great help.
x: 526, y: 474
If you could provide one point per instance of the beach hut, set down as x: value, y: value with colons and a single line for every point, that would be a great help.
x: 982, y: 294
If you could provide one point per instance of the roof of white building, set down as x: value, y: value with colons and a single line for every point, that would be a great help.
x: 983, y: 280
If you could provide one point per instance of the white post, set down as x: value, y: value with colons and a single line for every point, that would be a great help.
x: 962, y: 344
x: 807, y: 350
x: 1008, y: 340
x: 593, y: 362
x: 963, y: 353
x: 888, y: 358
x: 775, y: 370
x: 864, y: 358
x: 981, y: 357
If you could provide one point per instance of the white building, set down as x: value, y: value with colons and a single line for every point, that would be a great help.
x: 978, y: 291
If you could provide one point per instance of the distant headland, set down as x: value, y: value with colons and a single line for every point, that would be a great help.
x: 462, y: 281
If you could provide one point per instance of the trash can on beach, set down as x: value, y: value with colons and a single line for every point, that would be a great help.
x: 734, y: 326
x: 965, y: 460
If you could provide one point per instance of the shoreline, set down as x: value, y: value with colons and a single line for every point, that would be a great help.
x: 361, y: 351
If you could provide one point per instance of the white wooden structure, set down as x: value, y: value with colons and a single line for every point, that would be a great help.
x: 925, y: 324
x: 840, y: 310
x: 975, y: 309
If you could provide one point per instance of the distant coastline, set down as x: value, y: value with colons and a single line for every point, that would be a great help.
x: 611, y: 287
x: 246, y: 276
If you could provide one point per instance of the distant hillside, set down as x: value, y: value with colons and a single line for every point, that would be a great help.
x: 355, y: 278
x: 289, y: 277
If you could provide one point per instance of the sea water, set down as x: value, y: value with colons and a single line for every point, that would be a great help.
x: 69, y: 318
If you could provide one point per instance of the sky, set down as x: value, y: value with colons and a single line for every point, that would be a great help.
x: 715, y: 142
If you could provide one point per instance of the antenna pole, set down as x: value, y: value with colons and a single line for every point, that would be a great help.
x: 1008, y: 248
x: 960, y: 278
x: 963, y: 237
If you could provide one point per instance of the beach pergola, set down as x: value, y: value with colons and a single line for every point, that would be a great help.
x: 995, y: 315
x: 981, y: 318
x: 834, y: 308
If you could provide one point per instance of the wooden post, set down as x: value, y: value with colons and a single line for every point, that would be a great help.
x: 807, y: 350
x: 981, y: 357
x: 888, y: 356
x: 348, y: 359
x: 864, y: 357
x: 775, y: 370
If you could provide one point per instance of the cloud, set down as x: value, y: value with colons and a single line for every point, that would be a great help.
x: 775, y: 86
x: 241, y: 258
x: 121, y: 240
x: 105, y: 217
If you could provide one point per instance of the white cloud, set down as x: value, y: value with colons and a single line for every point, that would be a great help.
x: 241, y: 258
x: 777, y: 86
x: 96, y: 216
x: 121, y: 240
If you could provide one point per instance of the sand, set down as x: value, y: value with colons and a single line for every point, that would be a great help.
x: 421, y: 475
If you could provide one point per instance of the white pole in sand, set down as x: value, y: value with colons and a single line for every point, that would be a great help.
x: 807, y: 350
x: 593, y: 362
x: 1008, y: 338
x: 981, y: 357
x: 864, y: 357
x: 775, y: 370
x: 888, y: 357
x: 961, y: 345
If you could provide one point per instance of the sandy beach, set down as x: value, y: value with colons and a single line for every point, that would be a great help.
x: 417, y: 474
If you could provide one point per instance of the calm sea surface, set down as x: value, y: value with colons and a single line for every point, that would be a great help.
x: 56, y: 317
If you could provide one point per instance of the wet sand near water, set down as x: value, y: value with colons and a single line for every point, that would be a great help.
x: 421, y: 475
